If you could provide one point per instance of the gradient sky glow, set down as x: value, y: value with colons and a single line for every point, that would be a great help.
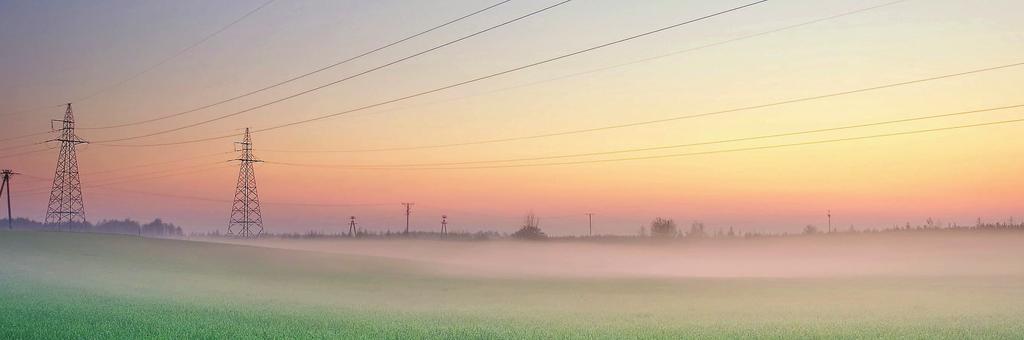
x: 53, y: 52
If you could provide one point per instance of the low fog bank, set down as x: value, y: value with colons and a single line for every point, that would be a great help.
x: 911, y: 254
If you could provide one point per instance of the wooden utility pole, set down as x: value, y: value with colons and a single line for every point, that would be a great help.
x: 7, y: 173
x: 830, y: 221
x: 408, y: 211
x: 590, y: 223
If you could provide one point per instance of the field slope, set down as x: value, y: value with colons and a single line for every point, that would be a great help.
x: 69, y: 285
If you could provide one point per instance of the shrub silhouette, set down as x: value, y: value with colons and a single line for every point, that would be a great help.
x: 663, y: 228
x: 530, y: 229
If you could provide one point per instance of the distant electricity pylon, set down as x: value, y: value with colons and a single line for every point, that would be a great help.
x: 590, y: 223
x: 352, y: 226
x: 444, y: 225
x: 829, y: 213
x: 245, y: 211
x: 66, y: 204
x: 7, y: 173
x: 408, y: 211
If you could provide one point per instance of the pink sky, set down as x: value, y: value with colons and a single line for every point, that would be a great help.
x: 954, y: 176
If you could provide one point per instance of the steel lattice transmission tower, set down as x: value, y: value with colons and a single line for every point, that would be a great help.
x: 245, y: 211
x: 66, y: 204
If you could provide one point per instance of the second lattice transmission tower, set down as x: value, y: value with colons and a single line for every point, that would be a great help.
x: 246, y: 220
x: 66, y: 205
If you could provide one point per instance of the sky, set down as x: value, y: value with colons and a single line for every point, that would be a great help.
x: 126, y: 61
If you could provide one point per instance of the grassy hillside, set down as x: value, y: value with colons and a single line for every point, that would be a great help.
x: 68, y: 285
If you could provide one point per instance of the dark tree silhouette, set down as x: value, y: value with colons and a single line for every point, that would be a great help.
x: 663, y: 228
x: 810, y: 230
x: 530, y: 229
x: 125, y: 226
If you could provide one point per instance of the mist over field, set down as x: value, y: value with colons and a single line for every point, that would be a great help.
x: 892, y: 285
x: 511, y: 169
x: 910, y: 254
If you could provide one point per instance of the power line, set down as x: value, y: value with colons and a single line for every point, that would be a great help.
x: 212, y: 165
x: 149, y: 176
x: 144, y: 165
x: 12, y: 147
x: 775, y: 146
x: 159, y: 163
x: 142, y: 72
x: 31, y: 109
x: 304, y: 75
x: 591, y: 71
x: 153, y: 175
x: 470, y: 81
x: 208, y: 199
x: 27, y: 153
x: 146, y: 175
x: 221, y: 117
x: 36, y: 178
x: 40, y: 133
x: 175, y: 55
x: 675, y: 146
x: 675, y: 118
x: 112, y: 170
x: 184, y: 197
x: 600, y: 69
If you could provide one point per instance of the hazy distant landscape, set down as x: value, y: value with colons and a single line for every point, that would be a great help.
x: 511, y: 169
x: 930, y: 285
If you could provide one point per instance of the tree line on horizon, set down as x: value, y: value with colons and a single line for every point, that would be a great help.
x: 666, y: 228
x: 529, y: 230
x: 126, y: 226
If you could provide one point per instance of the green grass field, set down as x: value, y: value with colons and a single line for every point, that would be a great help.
x: 68, y: 285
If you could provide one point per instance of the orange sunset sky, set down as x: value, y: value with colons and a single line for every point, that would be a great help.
x: 122, y: 62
